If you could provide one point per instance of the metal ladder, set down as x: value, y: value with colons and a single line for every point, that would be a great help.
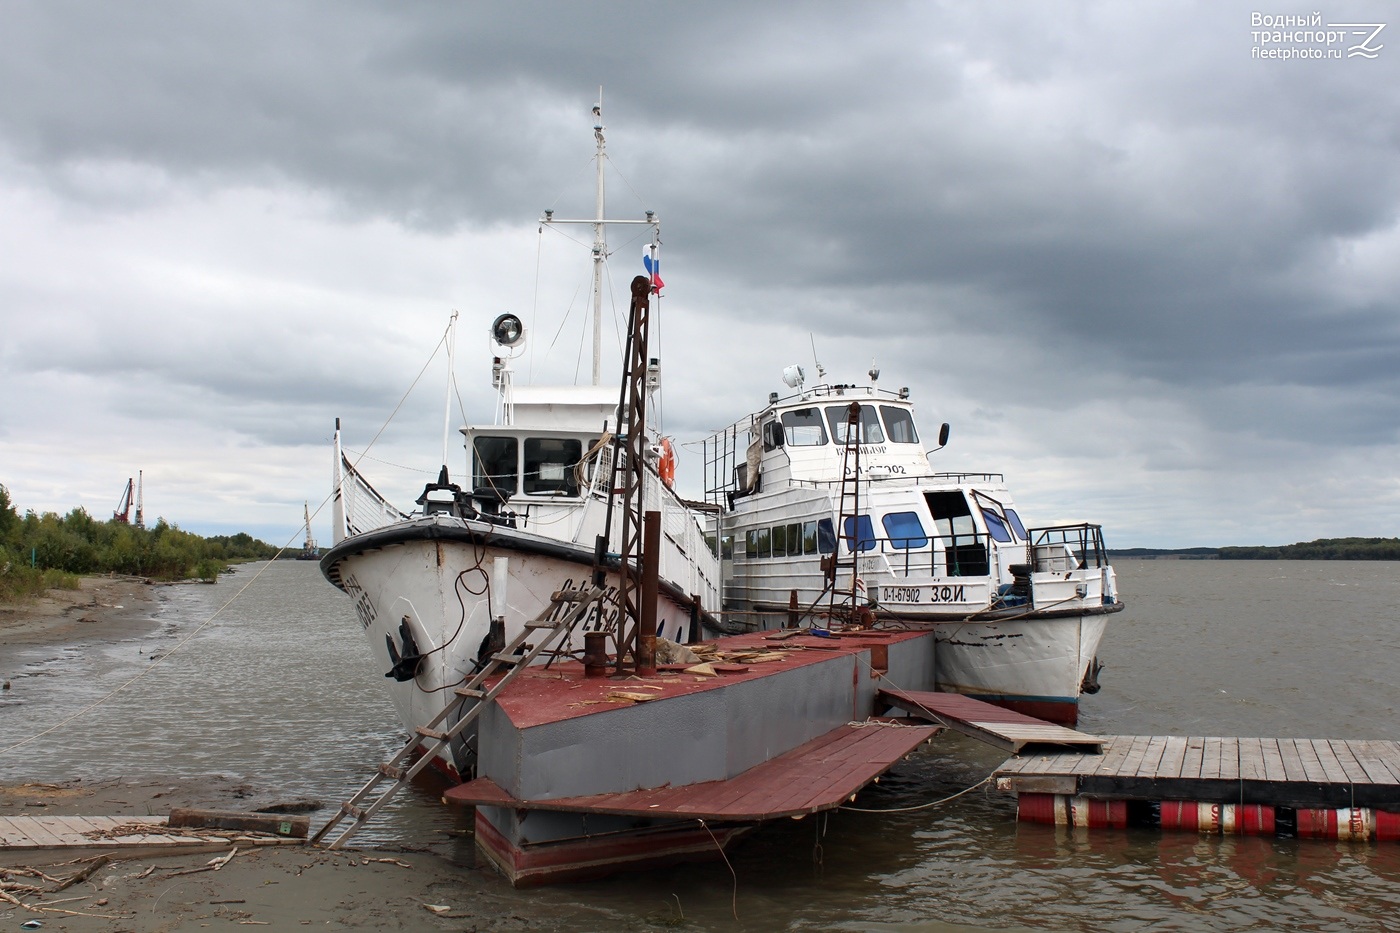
x: 514, y: 657
x: 848, y: 509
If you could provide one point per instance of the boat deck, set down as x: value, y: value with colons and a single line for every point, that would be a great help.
x: 1298, y: 773
x: 820, y: 775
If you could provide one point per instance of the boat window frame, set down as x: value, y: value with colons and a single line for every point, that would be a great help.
x: 862, y: 538
x: 565, y: 484
x: 836, y: 421
x: 907, y: 418
x: 793, y: 433
x: 899, y: 538
x: 484, y: 480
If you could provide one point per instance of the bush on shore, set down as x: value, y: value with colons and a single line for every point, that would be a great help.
x: 40, y: 552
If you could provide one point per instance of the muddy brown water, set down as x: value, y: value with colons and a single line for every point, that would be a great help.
x: 277, y: 692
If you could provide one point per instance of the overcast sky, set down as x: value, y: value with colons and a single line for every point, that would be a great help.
x: 1147, y: 273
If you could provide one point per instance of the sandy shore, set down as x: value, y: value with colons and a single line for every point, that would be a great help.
x: 284, y: 888
x: 106, y: 607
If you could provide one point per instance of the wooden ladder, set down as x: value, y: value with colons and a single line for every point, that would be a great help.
x: 514, y: 658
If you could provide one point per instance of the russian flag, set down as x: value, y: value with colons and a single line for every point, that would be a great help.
x: 653, y: 267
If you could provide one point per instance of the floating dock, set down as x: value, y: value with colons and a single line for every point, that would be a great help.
x: 1321, y: 788
x: 582, y: 776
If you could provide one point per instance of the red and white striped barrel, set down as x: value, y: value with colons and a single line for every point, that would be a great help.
x: 1062, y: 810
x: 1225, y: 818
x: 1349, y: 824
x: 1387, y: 826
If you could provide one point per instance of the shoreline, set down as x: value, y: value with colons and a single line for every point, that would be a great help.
x: 109, y: 606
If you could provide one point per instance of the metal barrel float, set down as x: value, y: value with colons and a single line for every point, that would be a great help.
x: 1227, y: 819
x: 1062, y: 810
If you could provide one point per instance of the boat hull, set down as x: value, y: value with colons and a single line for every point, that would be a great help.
x: 1035, y: 666
x: 443, y: 581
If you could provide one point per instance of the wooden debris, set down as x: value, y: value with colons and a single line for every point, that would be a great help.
x: 631, y: 695
x: 292, y: 827
x: 704, y: 670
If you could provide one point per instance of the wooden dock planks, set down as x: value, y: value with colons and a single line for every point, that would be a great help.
x: 1006, y: 729
x: 1311, y: 773
x: 82, y: 832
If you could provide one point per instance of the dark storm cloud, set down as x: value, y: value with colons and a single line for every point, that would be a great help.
x: 1035, y: 198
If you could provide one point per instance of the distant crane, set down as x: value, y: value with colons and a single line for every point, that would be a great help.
x: 123, y: 512
x: 309, y: 550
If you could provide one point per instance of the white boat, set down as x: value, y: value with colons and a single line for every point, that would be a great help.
x: 437, y: 590
x: 1017, y: 611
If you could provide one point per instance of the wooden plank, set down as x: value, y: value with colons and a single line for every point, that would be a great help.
x: 1389, y: 754
x: 1346, y: 758
x: 1134, y: 757
x: 1230, y: 759
x: 1116, y: 754
x: 1273, y: 760
x: 1311, y: 766
x: 1191, y: 761
x: 37, y: 833
x: 1251, y: 760
x: 1292, y: 765
x: 1371, y: 755
x: 1149, y: 767
x: 1331, y: 766
x: 1210, y: 758
x: 1173, y: 756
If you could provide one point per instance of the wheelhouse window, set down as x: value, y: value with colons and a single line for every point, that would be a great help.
x: 899, y: 425
x: 803, y: 427
x: 904, y: 530
x: 549, y: 465
x: 495, y: 464
x: 858, y: 533
x: 995, y: 526
x: 868, y: 427
x: 1016, y: 525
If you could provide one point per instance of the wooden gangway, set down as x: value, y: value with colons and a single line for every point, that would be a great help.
x: 106, y: 832
x: 1297, y: 773
x: 1007, y: 730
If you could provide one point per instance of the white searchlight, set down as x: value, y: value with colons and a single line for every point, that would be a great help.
x: 793, y: 376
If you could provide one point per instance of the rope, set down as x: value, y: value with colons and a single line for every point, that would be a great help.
x: 924, y: 806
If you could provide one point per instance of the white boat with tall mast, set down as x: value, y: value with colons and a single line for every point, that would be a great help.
x: 439, y: 589
x: 830, y: 512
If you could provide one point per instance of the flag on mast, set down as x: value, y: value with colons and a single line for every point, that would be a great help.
x: 653, y: 267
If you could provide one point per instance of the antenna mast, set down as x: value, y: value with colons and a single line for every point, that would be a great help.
x: 140, y: 499
x: 600, y: 245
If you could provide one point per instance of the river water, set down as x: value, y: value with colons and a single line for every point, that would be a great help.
x: 276, y: 690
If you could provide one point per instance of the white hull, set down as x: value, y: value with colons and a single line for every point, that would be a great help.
x: 446, y: 579
x: 1033, y: 665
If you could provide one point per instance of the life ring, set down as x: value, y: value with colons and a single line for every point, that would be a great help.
x: 666, y: 466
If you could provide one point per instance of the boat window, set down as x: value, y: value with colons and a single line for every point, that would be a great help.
x: 794, y: 536
x: 1016, y: 525
x: 803, y: 427
x: 951, y: 516
x: 869, y: 425
x: 494, y: 464
x: 858, y: 533
x: 549, y: 465
x: 904, y: 530
x: 826, y: 536
x: 995, y: 526
x: 765, y: 544
x: 779, y: 540
x: 809, y: 537
x: 751, y: 543
x: 899, y: 425
x: 726, y: 547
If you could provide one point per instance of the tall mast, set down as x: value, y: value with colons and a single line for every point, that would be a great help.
x: 600, y: 246
x: 599, y: 221
x: 447, y: 406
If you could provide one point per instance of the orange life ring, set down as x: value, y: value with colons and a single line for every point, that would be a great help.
x: 666, y: 467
